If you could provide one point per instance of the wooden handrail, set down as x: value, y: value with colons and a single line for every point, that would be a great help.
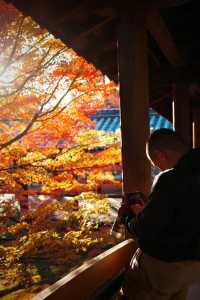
x: 82, y: 283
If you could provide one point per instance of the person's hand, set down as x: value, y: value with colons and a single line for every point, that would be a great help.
x: 132, y: 205
x: 124, y: 211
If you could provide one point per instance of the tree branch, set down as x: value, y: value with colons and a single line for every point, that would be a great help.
x: 64, y: 95
x: 19, y: 32
x: 21, y: 134
x: 31, y: 48
x: 32, y: 75
x: 60, y: 111
x: 35, y: 72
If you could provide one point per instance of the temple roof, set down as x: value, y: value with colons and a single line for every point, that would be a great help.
x: 109, y: 120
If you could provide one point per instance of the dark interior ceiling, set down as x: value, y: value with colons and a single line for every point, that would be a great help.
x: 90, y: 28
x: 184, y: 24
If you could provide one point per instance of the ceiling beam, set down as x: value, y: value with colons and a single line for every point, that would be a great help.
x: 159, y: 31
x: 93, y: 28
x: 78, y: 9
x: 170, y: 3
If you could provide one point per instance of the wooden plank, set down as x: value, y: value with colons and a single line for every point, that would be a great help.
x: 82, y: 283
x: 134, y: 98
x: 159, y: 31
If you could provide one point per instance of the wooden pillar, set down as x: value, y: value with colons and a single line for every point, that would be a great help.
x: 196, y: 128
x: 182, y: 119
x: 133, y: 75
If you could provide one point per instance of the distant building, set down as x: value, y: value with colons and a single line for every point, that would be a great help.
x: 109, y: 120
x: 157, y: 121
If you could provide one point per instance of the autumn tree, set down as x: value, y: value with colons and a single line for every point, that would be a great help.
x: 47, y: 94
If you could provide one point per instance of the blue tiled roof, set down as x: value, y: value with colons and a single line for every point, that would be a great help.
x: 157, y: 121
x: 109, y: 120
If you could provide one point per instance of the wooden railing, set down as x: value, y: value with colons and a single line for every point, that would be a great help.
x: 87, y: 281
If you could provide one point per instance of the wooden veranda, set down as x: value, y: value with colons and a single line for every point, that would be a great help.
x: 151, y: 49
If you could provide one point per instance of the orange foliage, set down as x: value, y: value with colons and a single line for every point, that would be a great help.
x: 45, y: 128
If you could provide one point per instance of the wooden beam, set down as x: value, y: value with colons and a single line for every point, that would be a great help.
x: 85, y: 8
x: 196, y: 128
x: 80, y: 41
x: 84, y: 281
x: 159, y: 31
x: 133, y: 74
x: 71, y: 14
x: 170, y: 3
x: 93, y: 28
x: 154, y: 58
x: 182, y: 118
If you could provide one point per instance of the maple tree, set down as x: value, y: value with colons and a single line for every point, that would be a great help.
x: 47, y: 94
x: 48, y: 140
x: 49, y: 241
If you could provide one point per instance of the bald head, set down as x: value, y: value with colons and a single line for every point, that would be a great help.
x: 165, y: 147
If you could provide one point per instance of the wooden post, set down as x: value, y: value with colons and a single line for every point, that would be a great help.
x: 133, y: 75
x: 182, y: 119
x: 196, y: 128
